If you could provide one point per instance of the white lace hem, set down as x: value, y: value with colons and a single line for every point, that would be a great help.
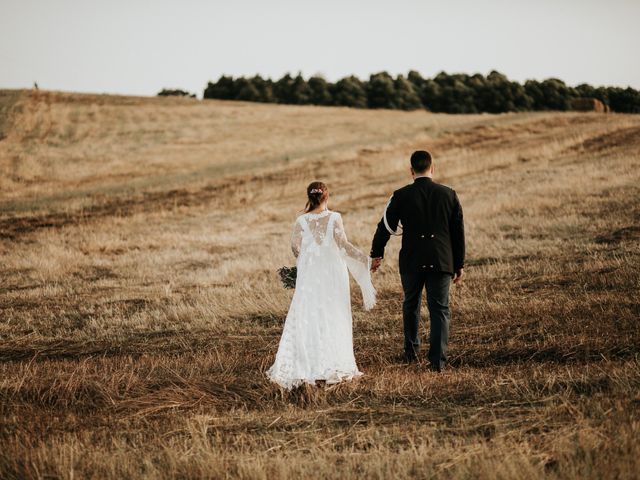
x: 330, y: 376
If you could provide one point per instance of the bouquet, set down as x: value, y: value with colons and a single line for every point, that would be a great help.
x: 288, y: 276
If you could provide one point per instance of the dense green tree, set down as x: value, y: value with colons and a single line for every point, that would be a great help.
x: 349, y: 92
x: 407, y: 97
x: 283, y: 89
x: 585, y: 90
x: 417, y: 79
x: 246, y: 90
x: 431, y: 96
x: 459, y: 98
x: 455, y: 96
x: 625, y: 100
x: 496, y: 94
x: 381, y: 91
x: 223, y: 89
x: 550, y: 94
x: 301, y: 93
x: 320, y: 93
x: 264, y: 88
x: 518, y: 96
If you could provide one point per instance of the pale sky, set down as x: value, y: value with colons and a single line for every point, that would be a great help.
x: 139, y: 47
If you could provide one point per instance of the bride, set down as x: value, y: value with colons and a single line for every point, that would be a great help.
x: 316, y: 342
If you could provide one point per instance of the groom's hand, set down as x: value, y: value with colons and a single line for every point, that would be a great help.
x: 458, y: 275
x: 375, y: 263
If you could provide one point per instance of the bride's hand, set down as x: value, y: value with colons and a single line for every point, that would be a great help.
x: 375, y: 263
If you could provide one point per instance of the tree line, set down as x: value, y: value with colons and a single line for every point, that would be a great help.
x: 448, y: 93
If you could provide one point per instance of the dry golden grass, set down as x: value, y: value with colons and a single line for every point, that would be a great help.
x: 139, y: 304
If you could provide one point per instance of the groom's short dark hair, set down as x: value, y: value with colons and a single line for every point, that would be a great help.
x: 420, y: 161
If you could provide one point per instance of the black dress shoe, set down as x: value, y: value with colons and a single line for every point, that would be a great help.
x: 409, y: 359
x: 435, y: 368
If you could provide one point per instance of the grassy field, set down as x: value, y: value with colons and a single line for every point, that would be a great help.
x: 140, y: 306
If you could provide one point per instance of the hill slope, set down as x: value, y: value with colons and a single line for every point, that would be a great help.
x: 139, y: 239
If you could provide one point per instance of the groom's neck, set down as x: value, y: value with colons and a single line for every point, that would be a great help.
x: 423, y: 175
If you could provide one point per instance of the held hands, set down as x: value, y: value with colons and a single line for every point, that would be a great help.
x: 375, y: 264
x: 458, y: 275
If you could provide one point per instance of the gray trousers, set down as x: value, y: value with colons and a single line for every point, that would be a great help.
x: 437, y: 285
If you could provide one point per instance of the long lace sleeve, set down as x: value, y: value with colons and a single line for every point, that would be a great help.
x: 357, y: 262
x: 296, y: 238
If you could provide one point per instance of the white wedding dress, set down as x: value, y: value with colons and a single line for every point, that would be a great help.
x: 317, y: 340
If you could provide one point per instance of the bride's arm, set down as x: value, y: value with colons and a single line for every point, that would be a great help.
x: 296, y: 239
x: 345, y: 245
x: 357, y: 262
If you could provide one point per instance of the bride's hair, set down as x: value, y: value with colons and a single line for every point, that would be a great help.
x: 317, y: 193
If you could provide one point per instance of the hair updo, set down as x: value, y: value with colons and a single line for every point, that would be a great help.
x: 317, y: 192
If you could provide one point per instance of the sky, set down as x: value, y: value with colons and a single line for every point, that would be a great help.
x: 138, y: 47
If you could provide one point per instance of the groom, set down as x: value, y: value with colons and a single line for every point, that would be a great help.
x: 432, y: 254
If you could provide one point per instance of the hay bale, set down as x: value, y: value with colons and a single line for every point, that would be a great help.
x: 585, y: 104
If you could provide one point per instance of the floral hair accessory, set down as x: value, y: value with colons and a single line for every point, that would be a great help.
x: 315, y: 190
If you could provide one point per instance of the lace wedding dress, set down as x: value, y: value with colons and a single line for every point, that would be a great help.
x: 317, y: 341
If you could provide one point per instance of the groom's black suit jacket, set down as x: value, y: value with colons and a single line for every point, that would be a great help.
x: 433, y: 228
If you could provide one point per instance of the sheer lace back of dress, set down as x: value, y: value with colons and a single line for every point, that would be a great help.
x: 318, y: 225
x: 311, y: 226
x: 314, y: 231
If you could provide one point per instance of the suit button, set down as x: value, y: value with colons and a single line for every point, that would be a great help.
x: 424, y: 266
x: 430, y: 266
x: 421, y: 236
x: 432, y: 235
